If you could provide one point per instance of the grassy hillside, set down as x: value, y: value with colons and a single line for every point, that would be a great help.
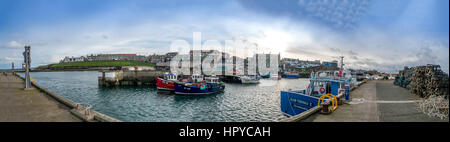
x: 102, y: 64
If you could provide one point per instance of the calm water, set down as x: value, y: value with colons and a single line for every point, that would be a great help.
x: 239, y: 102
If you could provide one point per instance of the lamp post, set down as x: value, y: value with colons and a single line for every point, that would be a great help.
x: 12, y: 68
x: 27, y: 61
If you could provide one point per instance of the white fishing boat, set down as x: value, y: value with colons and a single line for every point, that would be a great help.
x: 250, y: 79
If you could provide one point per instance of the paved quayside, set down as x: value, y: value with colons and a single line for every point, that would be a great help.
x: 378, y: 101
x: 18, y: 105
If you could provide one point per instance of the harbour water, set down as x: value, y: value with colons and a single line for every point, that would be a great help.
x: 238, y: 103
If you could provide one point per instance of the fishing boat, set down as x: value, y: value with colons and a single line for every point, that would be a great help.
x: 250, y: 79
x: 327, y: 84
x: 199, y: 86
x: 167, y: 82
x: 270, y: 76
x: 291, y: 75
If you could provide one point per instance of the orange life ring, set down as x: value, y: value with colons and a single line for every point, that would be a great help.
x: 322, y: 90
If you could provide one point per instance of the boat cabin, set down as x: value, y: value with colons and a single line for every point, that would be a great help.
x: 168, y: 76
x: 212, y: 79
x: 197, y: 78
x: 325, y: 82
x: 319, y: 87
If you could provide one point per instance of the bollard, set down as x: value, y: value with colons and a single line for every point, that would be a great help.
x: 88, y: 113
x: 84, y: 112
x: 325, y: 109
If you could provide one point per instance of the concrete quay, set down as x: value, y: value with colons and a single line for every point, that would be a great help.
x: 377, y: 101
x: 40, y: 104
x: 19, y: 105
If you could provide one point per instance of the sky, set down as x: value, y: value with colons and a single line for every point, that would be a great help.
x: 384, y: 35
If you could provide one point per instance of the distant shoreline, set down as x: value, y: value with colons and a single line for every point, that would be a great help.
x: 84, y: 66
x: 52, y: 70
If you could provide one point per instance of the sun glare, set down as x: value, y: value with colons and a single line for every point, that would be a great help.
x: 275, y: 41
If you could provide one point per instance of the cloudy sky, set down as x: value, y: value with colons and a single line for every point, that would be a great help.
x: 372, y: 34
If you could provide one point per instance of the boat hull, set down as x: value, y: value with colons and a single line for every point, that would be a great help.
x: 231, y: 79
x: 183, y: 89
x: 163, y: 84
x: 245, y: 81
x: 266, y: 76
x: 249, y: 80
x: 290, y: 76
x: 296, y: 102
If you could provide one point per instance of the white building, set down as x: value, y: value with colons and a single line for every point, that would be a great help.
x: 73, y: 59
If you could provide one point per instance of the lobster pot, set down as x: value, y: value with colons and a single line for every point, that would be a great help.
x: 428, y: 81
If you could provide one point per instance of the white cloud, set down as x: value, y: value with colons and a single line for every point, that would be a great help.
x: 13, y: 44
x: 375, y: 49
x: 10, y: 59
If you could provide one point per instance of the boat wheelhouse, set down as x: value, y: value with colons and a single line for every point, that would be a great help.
x: 212, y: 79
x: 197, y: 78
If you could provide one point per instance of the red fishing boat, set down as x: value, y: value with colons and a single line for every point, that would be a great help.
x: 167, y: 82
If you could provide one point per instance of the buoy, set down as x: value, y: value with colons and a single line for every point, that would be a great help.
x: 341, y: 90
x: 202, y: 87
x: 322, y: 90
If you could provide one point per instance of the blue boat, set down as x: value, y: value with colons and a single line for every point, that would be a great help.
x: 199, y: 87
x: 321, y: 83
x: 291, y: 75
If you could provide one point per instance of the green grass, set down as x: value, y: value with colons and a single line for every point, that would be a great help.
x: 303, y: 70
x: 102, y: 64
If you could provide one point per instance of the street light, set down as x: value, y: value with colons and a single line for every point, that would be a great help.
x: 27, y: 61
